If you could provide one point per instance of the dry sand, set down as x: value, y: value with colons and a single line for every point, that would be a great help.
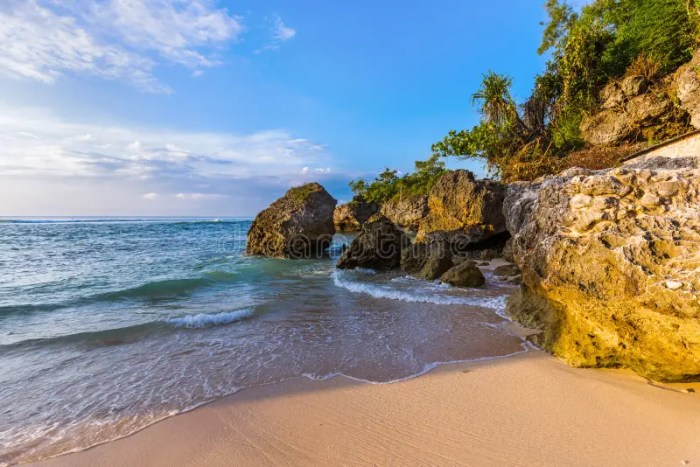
x: 528, y: 409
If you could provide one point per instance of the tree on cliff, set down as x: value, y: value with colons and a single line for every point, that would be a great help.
x: 388, y: 184
x: 604, y: 41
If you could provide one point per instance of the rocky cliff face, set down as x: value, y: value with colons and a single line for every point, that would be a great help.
x: 298, y: 225
x: 634, y: 109
x: 464, y: 214
x: 610, y: 263
x: 630, y: 109
x: 406, y: 212
x: 349, y: 217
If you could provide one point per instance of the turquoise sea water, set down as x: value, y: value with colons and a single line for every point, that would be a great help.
x: 108, y: 325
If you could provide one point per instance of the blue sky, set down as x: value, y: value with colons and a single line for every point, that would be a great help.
x: 172, y: 107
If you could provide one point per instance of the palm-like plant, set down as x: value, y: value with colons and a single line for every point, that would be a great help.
x: 495, y: 102
x: 497, y: 106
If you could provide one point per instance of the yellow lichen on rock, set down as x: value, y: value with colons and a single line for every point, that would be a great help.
x: 611, y: 268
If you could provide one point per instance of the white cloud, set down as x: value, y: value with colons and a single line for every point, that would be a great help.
x: 283, y: 33
x: 33, y: 142
x: 280, y: 33
x: 49, y: 166
x: 113, y: 39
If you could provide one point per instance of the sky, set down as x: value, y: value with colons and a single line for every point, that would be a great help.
x: 216, y: 108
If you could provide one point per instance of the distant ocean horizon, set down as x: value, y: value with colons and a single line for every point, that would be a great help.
x: 109, y: 324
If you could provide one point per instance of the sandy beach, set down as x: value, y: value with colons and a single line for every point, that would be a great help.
x: 525, y: 410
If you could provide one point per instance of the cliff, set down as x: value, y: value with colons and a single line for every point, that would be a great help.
x: 610, y: 264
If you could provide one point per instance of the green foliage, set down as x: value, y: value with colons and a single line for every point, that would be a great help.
x: 301, y: 193
x: 603, y: 41
x: 388, y: 184
x: 502, y: 131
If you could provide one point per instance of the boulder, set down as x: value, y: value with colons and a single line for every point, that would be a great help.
x: 349, y: 217
x: 298, y: 225
x: 406, y: 211
x: 438, y: 261
x: 378, y: 246
x: 459, y: 204
x: 506, y: 270
x: 616, y: 93
x: 606, y: 127
x: 609, y: 264
x: 413, y: 258
x: 625, y: 120
x: 465, y: 274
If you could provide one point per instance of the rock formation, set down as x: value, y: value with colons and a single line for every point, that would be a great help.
x: 406, y: 212
x: 465, y: 274
x: 437, y: 262
x: 610, y: 263
x: 349, y: 217
x: 298, y: 225
x: 378, y: 246
x: 413, y: 258
x: 628, y: 110
x: 460, y: 204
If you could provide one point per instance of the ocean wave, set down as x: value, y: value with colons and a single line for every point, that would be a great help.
x: 417, y: 295
x: 158, y: 289
x: 101, y: 338
x: 204, y: 320
x: 126, y: 334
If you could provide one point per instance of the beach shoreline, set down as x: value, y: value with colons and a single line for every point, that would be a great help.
x: 524, y: 409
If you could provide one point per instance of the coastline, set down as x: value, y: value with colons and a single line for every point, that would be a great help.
x: 525, y: 409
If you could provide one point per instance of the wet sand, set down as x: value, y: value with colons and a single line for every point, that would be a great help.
x: 523, y: 410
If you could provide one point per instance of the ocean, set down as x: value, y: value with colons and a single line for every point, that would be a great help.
x: 109, y: 325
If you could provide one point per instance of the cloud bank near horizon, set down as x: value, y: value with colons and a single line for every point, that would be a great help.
x: 49, y: 165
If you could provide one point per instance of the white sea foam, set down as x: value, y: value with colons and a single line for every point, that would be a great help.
x: 426, y: 294
x: 204, y: 320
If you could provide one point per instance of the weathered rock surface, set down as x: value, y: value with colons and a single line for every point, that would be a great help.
x: 378, y: 246
x: 298, y: 225
x: 413, y: 258
x: 687, y: 81
x: 465, y: 274
x: 406, y: 212
x: 438, y: 261
x: 349, y: 217
x: 460, y: 204
x: 610, y: 263
x: 622, y: 121
x: 506, y: 270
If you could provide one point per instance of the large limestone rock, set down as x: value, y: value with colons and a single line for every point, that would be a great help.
x: 349, y: 217
x: 610, y: 263
x: 460, y: 204
x: 687, y: 83
x: 406, y: 211
x: 378, y: 246
x: 298, y: 225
